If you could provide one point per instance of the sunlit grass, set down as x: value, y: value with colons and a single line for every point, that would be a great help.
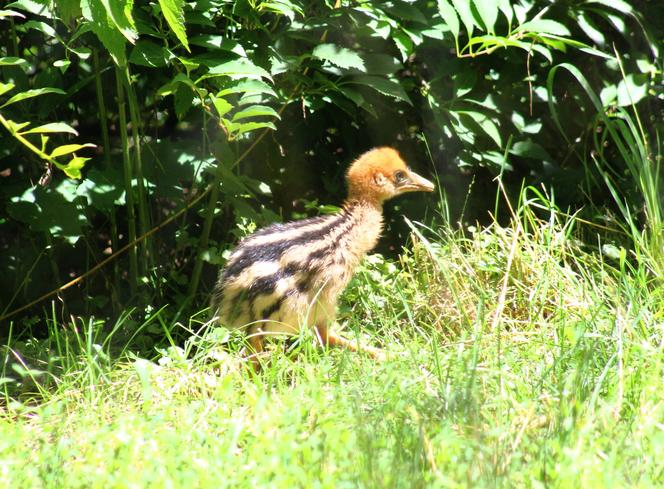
x: 520, y: 357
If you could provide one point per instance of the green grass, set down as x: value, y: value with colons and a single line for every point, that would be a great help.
x: 521, y: 358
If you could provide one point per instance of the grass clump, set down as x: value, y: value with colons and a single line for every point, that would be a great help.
x: 521, y: 357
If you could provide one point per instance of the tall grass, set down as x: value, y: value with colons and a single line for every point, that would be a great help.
x: 641, y: 207
x: 520, y: 357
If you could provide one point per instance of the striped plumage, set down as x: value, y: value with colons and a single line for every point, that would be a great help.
x: 287, y: 276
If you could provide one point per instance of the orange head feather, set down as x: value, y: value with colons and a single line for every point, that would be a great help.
x: 381, y: 174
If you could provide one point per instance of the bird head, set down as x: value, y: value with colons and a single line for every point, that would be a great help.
x: 381, y: 174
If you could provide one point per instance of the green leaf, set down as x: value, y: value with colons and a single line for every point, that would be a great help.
x: 255, y: 111
x: 488, y: 10
x: 496, y: 159
x: 281, y: 7
x: 102, y: 189
x: 63, y: 64
x: 187, y: 63
x: 249, y: 87
x: 449, y: 15
x: 543, y: 51
x: 554, y: 43
x: 590, y: 29
x: 544, y: 26
x: 596, y: 52
x: 404, y: 44
x: 238, y: 67
x: 415, y: 35
x: 381, y: 28
x: 486, y: 124
x: 264, y: 188
x: 464, y: 82
x: 385, y: 86
x: 102, y: 25
x: 505, y: 7
x: 211, y: 41
x: 15, y: 127
x: 402, y: 10
x: 645, y: 66
x: 466, y: 14
x: 37, y: 8
x: 69, y: 148
x: 35, y: 92
x: 332, y: 97
x: 618, y: 5
x: 6, y: 87
x: 339, y: 56
x: 531, y: 127
x: 608, y: 95
x: 10, y: 13
x: 631, y: 89
x: 221, y: 105
x: 239, y: 128
x: 612, y: 251
x: 12, y: 61
x: 174, y: 15
x: 147, y: 53
x: 172, y: 86
x: 184, y: 98
x: 27, y: 372
x: 380, y: 64
x: 530, y: 149
x: 436, y: 31
x: 52, y: 127
x: 574, y: 71
x: 42, y: 27
x: 199, y: 18
x: 82, y: 52
x: 50, y: 210
x: 73, y: 168
x: 353, y: 95
x: 251, y: 99
x: 68, y: 9
x: 119, y: 12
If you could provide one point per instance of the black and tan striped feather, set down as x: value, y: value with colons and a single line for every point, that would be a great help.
x: 290, y: 275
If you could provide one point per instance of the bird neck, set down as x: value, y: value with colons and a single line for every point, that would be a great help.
x: 359, y: 204
x: 367, y: 217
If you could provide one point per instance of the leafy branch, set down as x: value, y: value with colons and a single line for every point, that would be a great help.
x: 19, y: 130
x: 483, y: 16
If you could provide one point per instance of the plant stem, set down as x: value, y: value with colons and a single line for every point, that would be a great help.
x: 13, y: 37
x: 105, y: 138
x: 143, y: 218
x: 19, y: 137
x: 207, y: 224
x: 129, y: 191
x: 53, y: 262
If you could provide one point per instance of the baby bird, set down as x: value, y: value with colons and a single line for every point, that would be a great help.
x: 288, y: 276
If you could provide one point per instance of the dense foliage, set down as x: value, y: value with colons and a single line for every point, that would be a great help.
x: 522, y: 324
x: 166, y: 129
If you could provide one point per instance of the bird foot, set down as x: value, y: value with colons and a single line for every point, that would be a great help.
x: 381, y: 355
x: 376, y: 353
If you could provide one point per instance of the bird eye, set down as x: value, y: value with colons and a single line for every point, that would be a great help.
x: 399, y: 176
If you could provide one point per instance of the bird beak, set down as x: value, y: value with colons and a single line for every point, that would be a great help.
x: 416, y: 183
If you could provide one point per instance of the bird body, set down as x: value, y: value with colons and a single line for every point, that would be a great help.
x: 286, y: 272
x: 288, y: 276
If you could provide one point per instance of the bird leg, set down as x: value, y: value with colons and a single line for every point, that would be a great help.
x: 255, y: 338
x: 330, y: 338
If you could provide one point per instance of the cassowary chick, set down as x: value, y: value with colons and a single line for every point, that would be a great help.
x: 288, y: 276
